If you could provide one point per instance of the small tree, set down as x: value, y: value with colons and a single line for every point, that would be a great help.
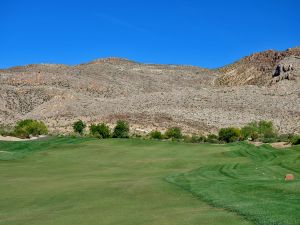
x: 229, y: 134
x: 266, y: 129
x: 173, y: 132
x: 263, y: 130
x: 155, y: 134
x: 250, y: 131
x: 121, y: 130
x: 79, y: 126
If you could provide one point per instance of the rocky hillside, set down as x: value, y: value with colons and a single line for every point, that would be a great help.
x: 156, y: 96
x: 255, y: 69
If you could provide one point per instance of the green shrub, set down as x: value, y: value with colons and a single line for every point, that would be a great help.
x: 100, y: 130
x: 250, y: 131
x: 295, y: 140
x: 79, y: 126
x: 262, y: 130
x: 121, y: 130
x: 268, y: 139
x: 187, y: 138
x: 155, y: 134
x: 28, y: 127
x: 212, y: 138
x: 93, y: 129
x: 197, y: 139
x: 173, y: 132
x: 6, y: 130
x: 285, y: 137
x: 266, y: 129
x: 229, y: 134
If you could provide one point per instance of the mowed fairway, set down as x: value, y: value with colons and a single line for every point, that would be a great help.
x: 63, y: 181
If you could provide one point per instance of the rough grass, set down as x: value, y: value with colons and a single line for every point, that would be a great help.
x: 77, y: 181
x: 249, y: 180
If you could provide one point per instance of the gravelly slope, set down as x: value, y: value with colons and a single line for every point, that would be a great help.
x: 149, y: 96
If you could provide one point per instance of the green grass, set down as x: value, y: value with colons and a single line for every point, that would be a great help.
x: 67, y: 181
x: 249, y: 181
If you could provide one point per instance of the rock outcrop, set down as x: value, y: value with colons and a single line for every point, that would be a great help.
x: 287, y: 69
x: 256, y: 69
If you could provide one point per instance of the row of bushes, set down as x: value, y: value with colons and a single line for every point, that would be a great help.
x: 101, y: 130
x: 263, y: 131
x: 256, y: 131
x: 175, y: 133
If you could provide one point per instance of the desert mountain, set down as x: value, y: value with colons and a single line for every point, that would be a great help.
x: 255, y: 69
x: 260, y: 86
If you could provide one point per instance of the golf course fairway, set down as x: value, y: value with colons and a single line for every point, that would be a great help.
x: 72, y: 181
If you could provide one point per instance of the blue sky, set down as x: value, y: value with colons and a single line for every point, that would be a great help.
x: 202, y: 33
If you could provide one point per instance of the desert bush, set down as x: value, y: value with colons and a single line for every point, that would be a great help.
x: 138, y: 136
x: 121, y: 130
x: 197, y: 139
x: 295, y: 140
x: 6, y: 130
x: 229, y: 134
x: 173, y: 132
x: 79, y: 126
x: 155, y: 134
x: 268, y: 139
x: 212, y: 138
x: 266, y: 129
x: 186, y: 138
x: 100, y: 130
x: 249, y: 131
x: 93, y: 129
x: 28, y: 127
x: 285, y: 137
x: 262, y: 130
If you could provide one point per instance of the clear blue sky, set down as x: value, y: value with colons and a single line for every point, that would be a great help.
x: 203, y: 33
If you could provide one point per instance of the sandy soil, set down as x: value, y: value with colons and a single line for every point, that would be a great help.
x: 10, y: 138
x: 256, y: 143
x: 281, y: 145
x: 274, y: 145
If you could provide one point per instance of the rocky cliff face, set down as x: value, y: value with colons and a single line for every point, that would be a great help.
x: 287, y: 69
x: 156, y: 96
x: 256, y: 69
